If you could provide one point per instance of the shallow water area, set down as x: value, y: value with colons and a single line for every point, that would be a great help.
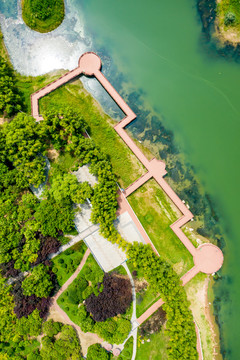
x: 158, y: 48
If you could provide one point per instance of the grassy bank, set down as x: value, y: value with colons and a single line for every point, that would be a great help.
x: 43, y: 15
x: 228, y: 20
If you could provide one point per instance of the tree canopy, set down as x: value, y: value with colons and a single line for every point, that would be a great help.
x: 95, y: 351
x: 114, y: 299
x: 38, y: 282
x: 24, y: 146
x: 10, y: 99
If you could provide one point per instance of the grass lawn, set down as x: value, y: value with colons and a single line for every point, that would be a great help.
x: 64, y: 302
x: 119, y: 270
x: 145, y: 298
x: 29, y: 84
x: 153, y: 350
x: 51, y: 22
x: 228, y: 15
x: 126, y: 354
x: 156, y: 215
x: 64, y: 162
x: 3, y: 49
x: 67, y: 262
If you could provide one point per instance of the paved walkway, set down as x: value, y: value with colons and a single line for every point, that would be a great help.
x: 208, y: 258
x: 133, y: 332
x: 91, y: 229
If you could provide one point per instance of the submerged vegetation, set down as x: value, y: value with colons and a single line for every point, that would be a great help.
x: 43, y: 15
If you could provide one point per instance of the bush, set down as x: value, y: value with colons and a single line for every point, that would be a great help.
x: 60, y: 261
x: 55, y: 269
x: 74, y: 296
x: 95, y: 351
x: 229, y: 18
x: 51, y: 328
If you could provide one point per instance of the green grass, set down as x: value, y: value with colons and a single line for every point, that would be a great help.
x: 126, y: 354
x: 125, y: 165
x: 67, y: 262
x: 156, y: 215
x: 65, y: 162
x: 153, y: 350
x: 63, y: 301
x: 50, y: 23
x: 29, y: 84
x: 3, y: 49
x: 146, y: 297
x: 119, y: 270
x: 229, y: 6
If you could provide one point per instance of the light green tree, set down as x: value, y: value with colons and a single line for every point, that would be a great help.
x: 38, y: 282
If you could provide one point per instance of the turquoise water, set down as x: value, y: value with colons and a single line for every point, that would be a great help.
x: 157, y: 45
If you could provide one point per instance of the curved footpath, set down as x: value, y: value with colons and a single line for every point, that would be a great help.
x: 63, y: 288
x: 208, y: 258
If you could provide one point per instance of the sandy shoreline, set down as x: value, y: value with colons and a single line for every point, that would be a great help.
x: 209, y: 297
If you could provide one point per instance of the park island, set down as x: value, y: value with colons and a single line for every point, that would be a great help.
x: 98, y: 259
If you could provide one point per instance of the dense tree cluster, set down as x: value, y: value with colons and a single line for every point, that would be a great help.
x: 10, y: 99
x: 25, y: 305
x: 38, y: 282
x: 24, y: 144
x: 65, y: 346
x: 95, y: 351
x: 65, y: 130
x: 114, y: 299
x: 114, y: 330
x: 42, y: 8
x: 18, y: 336
x: 43, y: 15
x: 54, y: 217
x: 67, y: 188
x: 161, y: 276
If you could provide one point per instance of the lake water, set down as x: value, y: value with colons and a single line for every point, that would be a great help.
x: 158, y: 47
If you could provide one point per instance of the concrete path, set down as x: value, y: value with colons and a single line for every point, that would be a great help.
x: 208, y: 258
x: 91, y: 229
x: 123, y: 206
x: 133, y: 332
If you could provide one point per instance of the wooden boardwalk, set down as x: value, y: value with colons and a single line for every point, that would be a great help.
x: 208, y: 258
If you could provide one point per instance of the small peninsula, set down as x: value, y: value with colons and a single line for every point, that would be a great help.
x: 227, y: 22
x: 43, y: 15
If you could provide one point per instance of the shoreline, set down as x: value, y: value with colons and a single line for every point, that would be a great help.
x: 209, y: 311
x: 224, y: 43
